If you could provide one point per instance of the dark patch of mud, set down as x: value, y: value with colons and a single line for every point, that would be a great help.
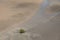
x: 55, y: 8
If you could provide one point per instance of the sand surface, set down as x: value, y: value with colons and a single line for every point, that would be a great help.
x: 15, y: 11
x: 42, y: 26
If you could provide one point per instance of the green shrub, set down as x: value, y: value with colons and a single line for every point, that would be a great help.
x: 21, y: 31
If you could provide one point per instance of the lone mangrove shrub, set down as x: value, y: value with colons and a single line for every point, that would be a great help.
x: 22, y: 31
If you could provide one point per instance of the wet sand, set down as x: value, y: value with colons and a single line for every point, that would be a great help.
x: 47, y: 26
x: 15, y: 11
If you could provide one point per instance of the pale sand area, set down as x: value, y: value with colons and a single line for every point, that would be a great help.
x: 15, y: 11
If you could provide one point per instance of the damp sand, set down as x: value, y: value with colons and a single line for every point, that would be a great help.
x: 14, y: 12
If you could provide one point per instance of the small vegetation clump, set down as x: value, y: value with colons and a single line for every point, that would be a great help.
x: 21, y: 31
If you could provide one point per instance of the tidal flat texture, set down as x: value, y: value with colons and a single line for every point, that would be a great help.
x: 13, y: 12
